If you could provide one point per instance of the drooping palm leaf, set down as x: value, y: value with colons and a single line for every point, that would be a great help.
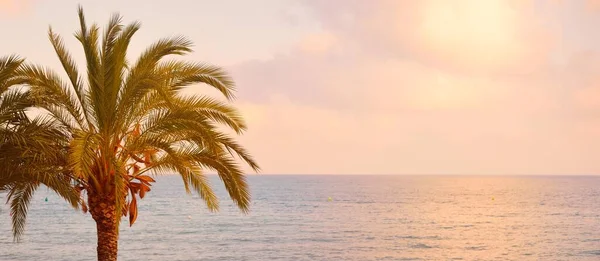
x: 32, y: 151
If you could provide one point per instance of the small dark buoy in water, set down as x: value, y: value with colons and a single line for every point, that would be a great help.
x: 46, y: 199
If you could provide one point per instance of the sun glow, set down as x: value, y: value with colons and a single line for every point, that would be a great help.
x: 471, y: 32
x: 11, y: 7
x: 445, y: 93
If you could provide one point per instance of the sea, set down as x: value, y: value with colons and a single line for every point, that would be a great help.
x: 334, y: 217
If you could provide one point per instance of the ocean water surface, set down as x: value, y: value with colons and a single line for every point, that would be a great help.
x: 367, y: 218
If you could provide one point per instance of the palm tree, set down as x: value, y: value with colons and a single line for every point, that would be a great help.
x: 127, y: 122
x: 27, y: 157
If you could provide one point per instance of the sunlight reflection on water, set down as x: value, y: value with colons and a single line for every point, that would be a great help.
x: 367, y: 218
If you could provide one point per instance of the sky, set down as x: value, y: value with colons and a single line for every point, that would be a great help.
x: 378, y: 86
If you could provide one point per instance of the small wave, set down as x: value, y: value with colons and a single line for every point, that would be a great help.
x: 476, y: 248
x: 592, y: 252
x: 363, y: 202
x: 408, y: 237
x: 417, y: 237
x: 592, y: 240
x: 401, y: 259
x: 421, y: 246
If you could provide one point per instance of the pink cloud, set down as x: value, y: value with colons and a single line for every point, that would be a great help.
x: 293, y: 138
x: 391, y: 116
x: 318, y: 43
x: 368, y: 96
x: 469, y: 36
x: 588, y: 98
x: 593, y: 5
x: 584, y: 75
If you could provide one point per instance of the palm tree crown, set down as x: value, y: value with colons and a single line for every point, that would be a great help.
x: 126, y: 121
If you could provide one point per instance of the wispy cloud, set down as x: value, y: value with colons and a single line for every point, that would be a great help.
x: 427, y: 87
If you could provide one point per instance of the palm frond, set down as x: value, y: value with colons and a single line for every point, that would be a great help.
x: 82, y: 155
x: 214, y: 110
x: 47, y: 89
x: 112, y: 64
x: 89, y: 40
x: 190, y: 172
x: 20, y: 198
x: 181, y: 74
x: 142, y: 76
x: 71, y: 69
x: 236, y: 149
x: 30, y: 149
x: 13, y: 104
x: 8, y: 66
x: 230, y: 173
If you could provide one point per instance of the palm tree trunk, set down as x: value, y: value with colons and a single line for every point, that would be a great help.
x: 103, y: 212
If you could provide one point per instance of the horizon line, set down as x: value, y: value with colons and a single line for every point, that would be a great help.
x: 404, y: 174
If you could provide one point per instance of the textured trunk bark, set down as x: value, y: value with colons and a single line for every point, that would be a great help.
x: 103, y: 212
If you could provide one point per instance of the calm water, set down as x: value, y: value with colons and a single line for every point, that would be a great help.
x: 369, y: 218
